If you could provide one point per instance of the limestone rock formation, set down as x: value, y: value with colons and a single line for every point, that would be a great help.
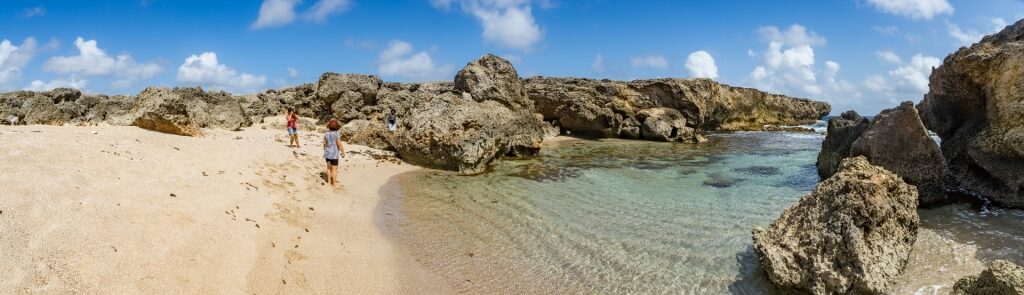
x: 603, y: 107
x: 184, y: 111
x: 842, y: 132
x: 852, y: 235
x: 1002, y: 278
x: 898, y: 142
x: 665, y: 124
x: 464, y: 135
x: 346, y: 94
x: 493, y: 78
x: 975, y: 106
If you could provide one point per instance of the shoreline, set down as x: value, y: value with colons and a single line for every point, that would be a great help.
x: 101, y: 209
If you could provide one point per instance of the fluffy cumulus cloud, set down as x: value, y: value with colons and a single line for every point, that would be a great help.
x: 40, y: 85
x: 206, y: 70
x: 506, y: 23
x: 788, y: 66
x: 275, y: 13
x: 94, y: 61
x: 399, y: 60
x: 915, y: 9
x: 650, y: 61
x: 702, y: 65
x: 13, y: 58
x: 906, y: 82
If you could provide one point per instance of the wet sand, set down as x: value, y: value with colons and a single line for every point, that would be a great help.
x: 106, y: 210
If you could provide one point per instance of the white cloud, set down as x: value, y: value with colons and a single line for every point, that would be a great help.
x: 702, y: 65
x: 913, y: 77
x: 877, y: 83
x: 915, y: 9
x: 968, y: 37
x: 39, y: 85
x: 325, y: 8
x: 507, y: 23
x: 14, y: 58
x: 398, y: 59
x: 788, y: 66
x: 889, y: 56
x: 293, y: 73
x: 598, y: 65
x: 205, y: 70
x: 650, y: 61
x: 33, y: 12
x: 94, y: 61
x: 365, y: 44
x: 276, y: 13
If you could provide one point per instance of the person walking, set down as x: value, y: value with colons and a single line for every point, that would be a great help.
x: 293, y: 128
x: 333, y: 150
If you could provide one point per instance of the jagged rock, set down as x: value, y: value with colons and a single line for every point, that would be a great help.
x: 663, y: 124
x: 493, y: 78
x: 851, y: 235
x: 466, y: 136
x: 347, y: 94
x: 64, y: 94
x: 102, y: 109
x: 897, y: 141
x: 368, y: 133
x: 842, y: 132
x: 601, y: 107
x: 974, y: 105
x: 184, y: 111
x: 1002, y: 278
x: 275, y: 102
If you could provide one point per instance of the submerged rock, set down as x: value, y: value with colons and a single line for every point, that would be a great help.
x: 1002, y: 278
x: 974, y: 105
x: 851, y: 235
x: 898, y: 142
x: 842, y: 132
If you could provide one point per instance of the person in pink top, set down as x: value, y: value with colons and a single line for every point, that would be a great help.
x: 293, y: 128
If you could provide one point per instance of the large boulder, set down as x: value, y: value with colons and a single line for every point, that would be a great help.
x: 185, y: 111
x: 346, y: 94
x: 663, y: 124
x: 975, y: 105
x: 842, y: 132
x: 1002, y: 278
x: 452, y: 133
x: 898, y: 142
x: 493, y: 78
x: 852, y: 235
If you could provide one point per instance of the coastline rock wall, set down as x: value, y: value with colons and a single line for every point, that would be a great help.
x: 852, y: 235
x: 975, y: 106
x: 842, y: 132
x: 606, y: 108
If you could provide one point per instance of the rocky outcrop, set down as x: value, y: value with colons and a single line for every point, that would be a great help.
x: 63, y: 106
x: 974, y: 105
x: 851, y: 235
x: 898, y: 142
x: 665, y: 124
x: 842, y: 132
x: 185, y: 111
x: 493, y: 78
x: 603, y: 108
x: 347, y: 94
x: 1002, y: 278
x: 464, y: 135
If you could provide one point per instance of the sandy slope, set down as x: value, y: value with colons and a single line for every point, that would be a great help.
x: 125, y: 210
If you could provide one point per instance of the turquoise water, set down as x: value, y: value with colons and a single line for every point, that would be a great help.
x: 609, y: 216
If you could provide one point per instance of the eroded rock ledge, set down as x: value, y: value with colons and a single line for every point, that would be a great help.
x: 488, y: 112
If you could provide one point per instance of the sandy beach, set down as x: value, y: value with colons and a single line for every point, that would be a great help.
x: 114, y: 210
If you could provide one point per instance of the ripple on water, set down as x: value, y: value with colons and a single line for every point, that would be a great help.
x: 612, y: 216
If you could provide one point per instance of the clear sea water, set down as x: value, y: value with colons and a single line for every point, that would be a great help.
x: 609, y: 216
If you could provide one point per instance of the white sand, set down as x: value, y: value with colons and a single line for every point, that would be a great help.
x: 124, y: 210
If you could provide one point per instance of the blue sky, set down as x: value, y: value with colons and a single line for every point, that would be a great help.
x: 857, y: 54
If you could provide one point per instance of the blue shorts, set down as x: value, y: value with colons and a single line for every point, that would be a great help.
x: 292, y: 131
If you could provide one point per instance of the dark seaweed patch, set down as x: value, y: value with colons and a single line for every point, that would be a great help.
x: 759, y: 170
x: 719, y: 181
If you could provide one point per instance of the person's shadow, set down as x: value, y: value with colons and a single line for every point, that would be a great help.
x: 323, y: 176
